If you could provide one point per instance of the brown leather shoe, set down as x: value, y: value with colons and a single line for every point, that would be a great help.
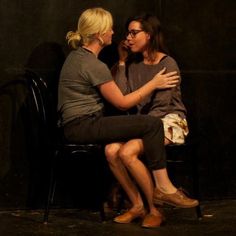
x: 129, y: 216
x: 177, y: 199
x: 152, y: 221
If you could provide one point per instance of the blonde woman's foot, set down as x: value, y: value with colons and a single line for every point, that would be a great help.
x: 153, y: 220
x: 130, y: 215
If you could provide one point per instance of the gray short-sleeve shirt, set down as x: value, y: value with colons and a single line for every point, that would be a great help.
x: 78, y: 94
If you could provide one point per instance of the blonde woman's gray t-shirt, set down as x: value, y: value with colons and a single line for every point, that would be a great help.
x: 78, y: 94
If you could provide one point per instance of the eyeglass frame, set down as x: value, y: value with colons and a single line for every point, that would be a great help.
x: 133, y: 33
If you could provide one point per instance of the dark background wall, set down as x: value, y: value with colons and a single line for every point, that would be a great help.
x: 200, y: 36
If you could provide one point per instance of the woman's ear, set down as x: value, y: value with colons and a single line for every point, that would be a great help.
x: 99, y: 38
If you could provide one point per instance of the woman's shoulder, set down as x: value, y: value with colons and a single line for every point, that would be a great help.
x: 169, y: 61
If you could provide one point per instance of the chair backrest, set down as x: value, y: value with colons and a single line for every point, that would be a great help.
x: 44, y: 106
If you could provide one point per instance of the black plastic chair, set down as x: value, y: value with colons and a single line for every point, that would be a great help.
x: 60, y: 150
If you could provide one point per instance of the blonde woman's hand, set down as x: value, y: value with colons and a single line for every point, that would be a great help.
x: 166, y: 80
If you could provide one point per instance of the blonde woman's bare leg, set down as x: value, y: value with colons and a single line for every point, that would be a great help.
x: 121, y: 174
x: 129, y: 154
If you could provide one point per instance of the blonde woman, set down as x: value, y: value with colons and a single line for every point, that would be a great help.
x: 85, y: 82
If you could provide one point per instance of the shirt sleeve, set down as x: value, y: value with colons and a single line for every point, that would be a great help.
x: 98, y: 74
x: 119, y: 75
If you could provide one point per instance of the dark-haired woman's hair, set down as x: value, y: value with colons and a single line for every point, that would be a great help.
x: 151, y: 24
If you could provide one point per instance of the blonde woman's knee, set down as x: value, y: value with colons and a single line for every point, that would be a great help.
x: 112, y: 151
x: 130, y: 151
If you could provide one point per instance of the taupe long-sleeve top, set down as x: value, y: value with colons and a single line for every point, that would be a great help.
x: 160, y: 102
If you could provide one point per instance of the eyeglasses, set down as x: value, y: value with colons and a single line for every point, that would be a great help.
x: 133, y: 33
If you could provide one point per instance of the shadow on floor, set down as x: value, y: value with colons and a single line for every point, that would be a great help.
x: 219, y: 220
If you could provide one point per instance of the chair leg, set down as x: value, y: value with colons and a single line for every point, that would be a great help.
x: 101, y: 200
x: 195, y: 176
x: 196, y: 194
x: 102, y: 212
x: 50, y: 198
x: 51, y: 191
x: 199, y: 212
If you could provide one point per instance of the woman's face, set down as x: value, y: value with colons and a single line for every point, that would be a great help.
x: 137, y: 38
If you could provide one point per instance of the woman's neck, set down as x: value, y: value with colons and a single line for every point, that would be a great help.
x: 94, y: 48
x: 154, y: 59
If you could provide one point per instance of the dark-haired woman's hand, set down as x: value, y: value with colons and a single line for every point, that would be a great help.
x: 123, y: 50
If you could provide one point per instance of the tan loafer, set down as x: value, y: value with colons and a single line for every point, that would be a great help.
x: 129, y: 216
x: 152, y: 221
x: 177, y: 199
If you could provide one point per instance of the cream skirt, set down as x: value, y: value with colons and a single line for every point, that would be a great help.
x: 175, y: 128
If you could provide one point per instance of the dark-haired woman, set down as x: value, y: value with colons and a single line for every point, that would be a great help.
x: 148, y: 56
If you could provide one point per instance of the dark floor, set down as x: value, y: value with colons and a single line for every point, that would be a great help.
x: 219, y: 219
